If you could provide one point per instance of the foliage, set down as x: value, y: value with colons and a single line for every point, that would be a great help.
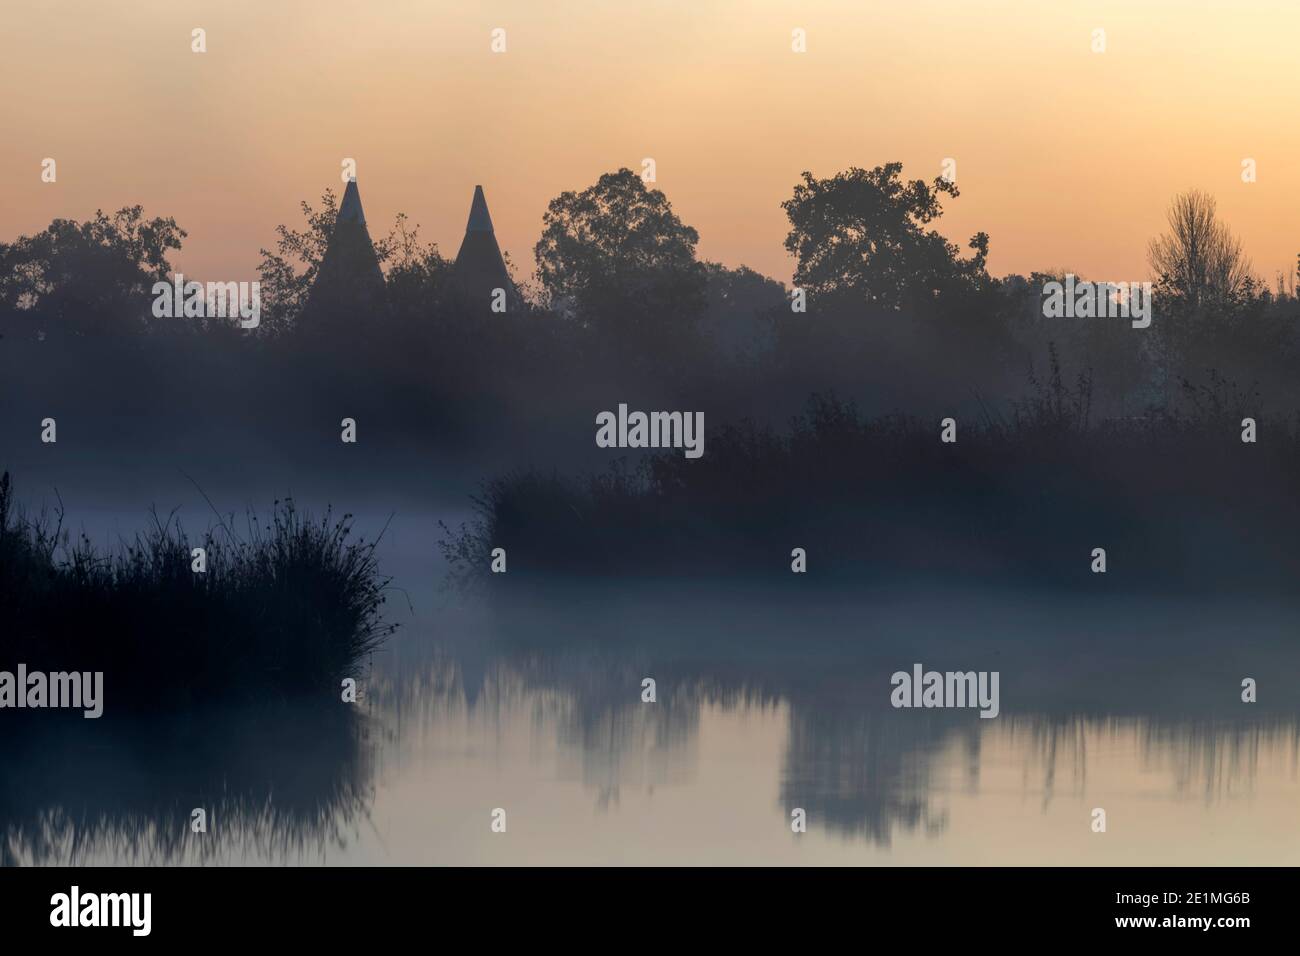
x: 861, y: 232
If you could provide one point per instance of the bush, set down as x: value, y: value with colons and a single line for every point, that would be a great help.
x: 290, y: 608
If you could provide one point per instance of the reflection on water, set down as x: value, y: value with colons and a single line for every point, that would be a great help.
x: 277, y: 783
x: 762, y: 706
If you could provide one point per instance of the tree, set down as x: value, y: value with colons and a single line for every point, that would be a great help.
x: 417, y: 273
x: 284, y: 288
x: 1199, y: 260
x: 862, y: 233
x: 620, y: 259
x: 741, y: 307
x: 87, y: 278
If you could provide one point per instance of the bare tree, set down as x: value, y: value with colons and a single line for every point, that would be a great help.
x: 1199, y: 258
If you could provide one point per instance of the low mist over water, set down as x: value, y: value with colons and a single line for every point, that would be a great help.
x: 763, y: 706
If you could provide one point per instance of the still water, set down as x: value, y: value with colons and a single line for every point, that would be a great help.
x: 764, y: 705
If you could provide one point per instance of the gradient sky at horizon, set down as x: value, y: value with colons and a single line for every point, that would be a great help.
x: 1065, y: 157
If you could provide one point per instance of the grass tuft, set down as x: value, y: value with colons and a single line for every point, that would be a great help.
x: 290, y: 607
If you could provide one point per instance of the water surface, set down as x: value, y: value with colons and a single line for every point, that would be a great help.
x: 764, y: 704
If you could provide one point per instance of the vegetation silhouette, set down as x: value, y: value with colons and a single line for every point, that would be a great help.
x: 285, y: 610
x: 899, y: 329
x: 282, y: 782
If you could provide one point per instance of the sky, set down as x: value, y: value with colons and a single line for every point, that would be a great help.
x: 1065, y: 156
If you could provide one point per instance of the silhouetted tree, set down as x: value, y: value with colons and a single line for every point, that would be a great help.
x: 617, y: 256
x: 1213, y: 316
x: 92, y: 277
x: 740, y: 309
x: 1199, y: 260
x: 284, y: 288
x: 861, y: 233
x: 417, y: 273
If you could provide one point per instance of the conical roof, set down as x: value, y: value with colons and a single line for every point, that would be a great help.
x: 480, y: 269
x: 350, y: 208
x: 480, y: 220
x: 349, y: 285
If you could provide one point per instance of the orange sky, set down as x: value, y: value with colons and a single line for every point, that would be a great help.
x: 1066, y: 157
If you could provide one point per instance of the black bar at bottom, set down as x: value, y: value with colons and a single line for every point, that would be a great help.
x: 300, y: 905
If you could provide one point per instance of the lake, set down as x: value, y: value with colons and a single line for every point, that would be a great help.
x: 764, y: 705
